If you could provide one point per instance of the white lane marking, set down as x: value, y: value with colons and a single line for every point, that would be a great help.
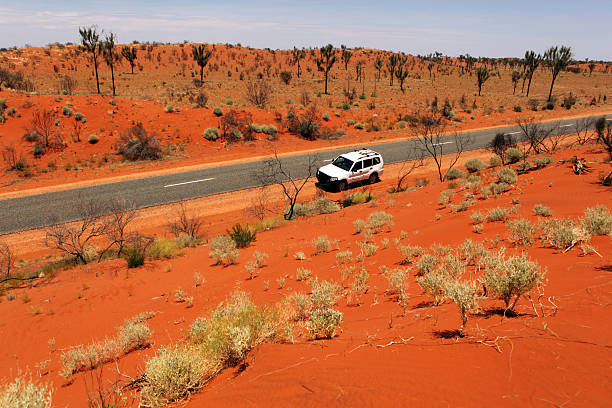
x: 328, y: 160
x: 188, y: 182
x: 571, y: 124
x: 443, y: 143
x: 513, y: 133
x: 609, y: 120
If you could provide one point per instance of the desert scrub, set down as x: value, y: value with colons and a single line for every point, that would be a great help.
x: 474, y: 165
x: 445, y: 196
x: 542, y: 210
x: 427, y: 264
x: 321, y: 244
x: 324, y: 294
x: 211, y: 134
x: 172, y: 374
x: 164, y: 248
x: 464, y: 295
x: 541, y: 162
x: 359, y: 225
x: 462, y: 206
x: 218, y: 111
x: 367, y: 249
x: 409, y: 252
x: 324, y: 205
x: 344, y: 256
x: 506, y: 175
x: 242, y: 235
x: 477, y: 217
x: 597, y: 220
x: 323, y: 323
x: 223, y: 250
x: 233, y: 329
x: 93, y: 139
x: 24, y: 393
x: 513, y: 155
x: 471, y: 251
x: 454, y: 174
x: 302, y: 274
x: 562, y: 233
x: 495, y: 161
x: 510, y: 278
x: 451, y: 266
x: 433, y: 285
x: 301, y: 304
x: 300, y: 256
x: 498, y: 214
x: 379, y: 219
x: 358, y: 197
x: 521, y: 231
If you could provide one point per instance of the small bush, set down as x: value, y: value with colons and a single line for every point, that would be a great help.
x: 474, y: 165
x: 524, y: 166
x: 359, y: 225
x: 302, y: 274
x: 379, y: 219
x: 24, y: 393
x: 299, y: 210
x: 427, y: 264
x: 323, y: 323
x: 464, y: 295
x: 477, y: 217
x: 560, y: 233
x: 164, y: 248
x: 359, y: 125
x: 498, y: 214
x: 325, y: 116
x: 507, y: 175
x: 597, y: 220
x: 367, y: 249
x: 93, y: 139
x: 66, y: 111
x: 324, y: 294
x: 541, y: 162
x: 134, y: 257
x: 462, y: 206
x: 433, y: 285
x: 344, y: 256
x: 495, y: 161
x: 322, y: 244
x: 217, y: 111
x: 542, y: 210
x: 498, y: 188
x: 445, y: 196
x: 324, y: 205
x: 409, y: 252
x: 401, y: 124
x: 79, y: 117
x: 137, y: 144
x: 521, y: 231
x: 211, y: 134
x: 517, y: 108
x: 513, y: 155
x: 454, y: 174
x: 358, y: 197
x: 285, y: 76
x: 242, y: 235
x: 223, y: 250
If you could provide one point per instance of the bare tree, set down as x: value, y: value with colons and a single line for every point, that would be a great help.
x: 186, y: 223
x: 415, y: 161
x: 291, y: 182
x: 429, y: 131
x: 604, y: 134
x: 258, y: 206
x: 73, y: 238
x: 43, y: 123
x: 583, y: 130
x: 535, y: 134
x: 7, y: 260
x: 259, y: 92
x: 122, y: 213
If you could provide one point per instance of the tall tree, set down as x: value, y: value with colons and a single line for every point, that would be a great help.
x: 516, y: 76
x: 401, y: 71
x: 532, y: 61
x: 201, y: 57
x: 326, y: 61
x: 391, y: 66
x: 110, y: 55
x: 90, y: 39
x: 129, y: 53
x: 297, y: 56
x: 557, y: 58
x: 378, y: 65
x: 346, y: 56
x: 482, y: 75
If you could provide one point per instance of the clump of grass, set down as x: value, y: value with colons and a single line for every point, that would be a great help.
x: 445, y: 196
x: 521, y: 231
x: 344, y: 256
x: 409, y: 252
x: 367, y: 249
x: 223, y: 250
x: 474, y: 165
x: 477, y: 217
x: 164, y: 248
x: 507, y: 175
x: 597, y: 220
x: 497, y: 214
x: 454, y: 174
x: 303, y: 274
x: 323, y: 323
x: 379, y: 219
x: 324, y: 205
x: 242, y: 235
x: 359, y: 225
x: 25, y: 393
x: 462, y: 206
x: 300, y: 256
x: 358, y: 197
x: 322, y: 244
x: 541, y: 162
x: 542, y: 210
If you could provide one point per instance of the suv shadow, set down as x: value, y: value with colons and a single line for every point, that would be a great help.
x: 333, y: 188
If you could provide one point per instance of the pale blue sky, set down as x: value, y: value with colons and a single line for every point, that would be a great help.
x: 481, y: 28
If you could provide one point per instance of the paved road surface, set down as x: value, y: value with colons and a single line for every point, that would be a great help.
x: 35, y: 211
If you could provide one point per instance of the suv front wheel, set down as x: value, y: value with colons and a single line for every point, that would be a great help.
x: 342, y: 186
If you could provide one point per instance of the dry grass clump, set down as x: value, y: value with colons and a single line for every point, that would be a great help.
x: 506, y: 175
x: 597, y: 221
x: 498, y: 214
x: 379, y: 219
x: 358, y: 197
x: 324, y: 294
x: 367, y: 249
x: 445, y: 196
x: 409, y: 253
x: 302, y: 274
x: 462, y: 206
x: 258, y: 262
x: 474, y: 165
x: 223, y: 250
x: 521, y: 231
x: 477, y: 217
x: 464, y: 295
x: 542, y: 210
x: 132, y: 335
x: 452, y: 266
x: 25, y: 393
x: 359, y: 225
x: 343, y: 257
x: 324, y: 205
x: 322, y: 244
x: 165, y: 248
x: 433, y: 284
x: 427, y: 264
x: 302, y: 305
x: 510, y: 278
x: 562, y: 233
x: 323, y: 323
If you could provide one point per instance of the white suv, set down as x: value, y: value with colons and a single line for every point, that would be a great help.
x: 352, y: 167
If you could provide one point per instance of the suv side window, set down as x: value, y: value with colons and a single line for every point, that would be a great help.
x: 376, y: 161
x: 357, y: 166
x: 367, y: 163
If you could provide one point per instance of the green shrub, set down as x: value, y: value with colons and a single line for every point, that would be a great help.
x: 164, y: 248
x: 134, y: 257
x: 299, y: 210
x: 66, y: 111
x: 242, y: 235
x: 359, y: 125
x: 559, y: 233
x: 379, y: 219
x: 597, y: 220
x: 474, y: 165
x: 323, y: 323
x: 497, y: 214
x: 524, y: 166
x: 38, y: 149
x: 367, y: 249
x: 513, y: 155
x: 223, y: 250
x: 256, y: 128
x: 542, y: 210
x: 462, y: 206
x: 357, y: 197
x: 401, y: 124
x: 24, y: 393
x: 495, y: 161
x: 172, y: 374
x: 427, y: 264
x: 507, y: 175
x: 510, y: 278
x: 454, y: 173
x: 269, y: 130
x: 169, y: 109
x: 218, y: 111
x: 499, y: 188
x: 517, y: 108
x: 93, y: 139
x: 464, y: 295
x: 322, y: 244
x: 324, y: 205
x: 433, y: 285
x: 540, y: 162
x: 325, y: 116
x: 302, y: 274
x: 350, y: 122
x: 79, y: 117
x: 211, y: 134
x: 521, y: 231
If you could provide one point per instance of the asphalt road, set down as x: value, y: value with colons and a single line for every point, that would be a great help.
x: 37, y: 211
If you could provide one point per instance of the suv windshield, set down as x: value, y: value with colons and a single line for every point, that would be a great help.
x: 343, y: 163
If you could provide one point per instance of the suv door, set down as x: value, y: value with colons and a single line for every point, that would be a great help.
x: 356, y: 173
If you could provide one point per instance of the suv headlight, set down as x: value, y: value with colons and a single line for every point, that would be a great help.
x: 333, y: 179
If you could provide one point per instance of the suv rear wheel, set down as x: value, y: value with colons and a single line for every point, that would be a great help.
x: 374, y: 178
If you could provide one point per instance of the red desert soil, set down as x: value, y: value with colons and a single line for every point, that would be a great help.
x: 380, y: 357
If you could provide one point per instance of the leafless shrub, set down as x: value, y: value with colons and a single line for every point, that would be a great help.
x: 137, y: 144
x: 259, y: 92
x: 305, y: 98
x: 13, y: 160
x: 415, y: 161
x: 43, y: 123
x: 583, y: 127
x: 67, y: 85
x: 122, y: 213
x: 236, y: 125
x: 186, y: 223
x: 535, y: 134
x: 7, y: 260
x: 258, y: 206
